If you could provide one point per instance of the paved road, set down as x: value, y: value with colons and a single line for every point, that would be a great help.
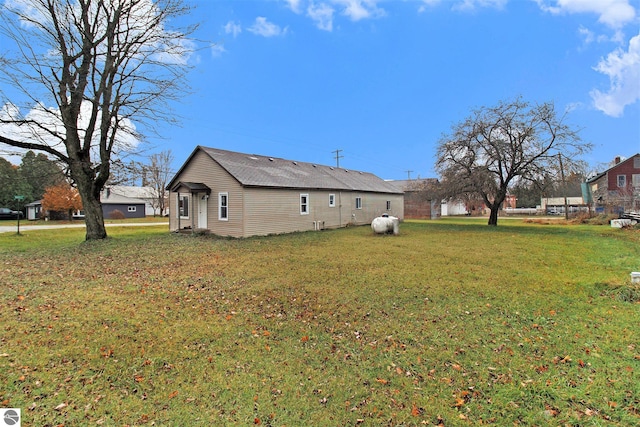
x: 26, y: 227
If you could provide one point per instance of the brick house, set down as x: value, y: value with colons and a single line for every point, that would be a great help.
x: 617, y: 189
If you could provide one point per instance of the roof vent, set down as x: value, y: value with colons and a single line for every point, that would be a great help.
x: 295, y: 163
x: 346, y: 170
x: 314, y: 166
x: 331, y: 167
x: 253, y: 158
x: 271, y: 159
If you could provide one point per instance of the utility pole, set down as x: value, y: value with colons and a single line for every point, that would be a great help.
x: 409, y: 175
x: 338, y: 157
x: 564, y: 188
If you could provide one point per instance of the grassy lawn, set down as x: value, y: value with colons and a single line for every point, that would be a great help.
x: 450, y: 323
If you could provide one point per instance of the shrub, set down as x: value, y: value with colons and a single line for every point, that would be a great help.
x: 116, y: 214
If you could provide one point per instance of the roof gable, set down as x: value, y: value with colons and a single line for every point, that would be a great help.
x: 252, y: 170
x: 612, y: 168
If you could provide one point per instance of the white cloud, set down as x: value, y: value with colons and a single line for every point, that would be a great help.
x: 294, y: 5
x: 43, y: 125
x: 613, y: 13
x: 322, y: 15
x: 623, y: 69
x: 264, y: 28
x: 232, y: 28
x: 468, y: 5
x: 426, y: 4
x: 360, y: 9
x: 217, y: 50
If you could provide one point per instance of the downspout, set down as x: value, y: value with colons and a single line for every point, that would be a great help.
x: 178, y: 209
x: 340, y: 209
x: 192, y: 213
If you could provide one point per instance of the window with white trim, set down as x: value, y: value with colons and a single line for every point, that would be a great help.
x: 332, y: 200
x: 635, y: 179
x: 622, y: 181
x: 183, y: 205
x: 223, y: 206
x: 358, y: 202
x: 131, y: 208
x: 304, y: 204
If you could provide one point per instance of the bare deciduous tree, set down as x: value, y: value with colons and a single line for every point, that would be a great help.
x: 497, y: 147
x: 157, y: 175
x: 89, y: 72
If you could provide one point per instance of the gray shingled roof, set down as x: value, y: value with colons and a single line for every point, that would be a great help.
x: 253, y: 170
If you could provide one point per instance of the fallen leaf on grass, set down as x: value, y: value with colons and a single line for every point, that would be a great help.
x: 173, y: 394
x: 60, y: 407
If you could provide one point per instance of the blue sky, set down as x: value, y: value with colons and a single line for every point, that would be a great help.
x: 383, y: 80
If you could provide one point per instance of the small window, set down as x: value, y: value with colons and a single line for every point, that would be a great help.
x: 183, y: 206
x: 388, y: 205
x: 358, y: 202
x: 635, y: 179
x: 636, y: 162
x: 223, y: 205
x: 332, y: 200
x: 131, y: 208
x: 304, y: 204
x: 622, y: 181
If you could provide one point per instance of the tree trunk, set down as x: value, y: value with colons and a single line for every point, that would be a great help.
x: 94, y: 220
x: 493, y: 216
x: 90, y: 195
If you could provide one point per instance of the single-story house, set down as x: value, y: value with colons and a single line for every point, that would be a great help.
x: 242, y: 195
x: 129, y: 206
x: 34, y: 210
x: 148, y: 194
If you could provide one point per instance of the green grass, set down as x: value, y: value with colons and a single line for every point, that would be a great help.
x: 451, y: 323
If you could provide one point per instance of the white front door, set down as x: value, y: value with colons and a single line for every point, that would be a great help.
x: 202, y: 210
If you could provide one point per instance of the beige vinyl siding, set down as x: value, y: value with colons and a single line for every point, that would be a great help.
x: 202, y: 169
x: 274, y: 211
x: 262, y: 210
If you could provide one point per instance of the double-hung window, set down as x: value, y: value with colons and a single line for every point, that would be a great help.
x: 358, y: 202
x: 223, y: 206
x: 304, y: 204
x: 622, y: 181
x: 332, y: 200
x: 183, y: 205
